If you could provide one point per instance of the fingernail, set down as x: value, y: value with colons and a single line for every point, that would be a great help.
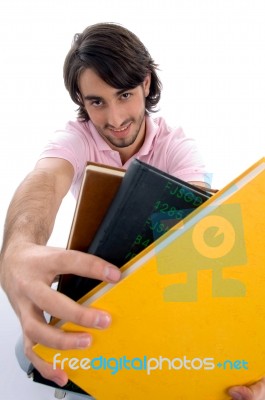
x: 112, y: 274
x: 102, y: 321
x: 60, y: 382
x: 83, y: 342
x: 236, y: 395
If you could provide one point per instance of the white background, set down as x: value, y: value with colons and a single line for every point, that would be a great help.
x: 212, y: 59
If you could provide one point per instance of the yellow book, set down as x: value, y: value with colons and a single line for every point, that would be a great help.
x: 189, y: 312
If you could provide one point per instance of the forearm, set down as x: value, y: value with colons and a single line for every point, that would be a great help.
x: 33, y: 208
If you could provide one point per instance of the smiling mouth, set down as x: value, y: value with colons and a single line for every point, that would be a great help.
x: 120, y: 132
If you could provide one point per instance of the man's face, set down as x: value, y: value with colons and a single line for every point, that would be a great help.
x: 118, y: 115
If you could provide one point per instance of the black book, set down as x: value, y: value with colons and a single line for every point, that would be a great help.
x: 148, y: 203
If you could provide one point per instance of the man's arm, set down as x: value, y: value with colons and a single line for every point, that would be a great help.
x: 34, y: 206
x: 28, y: 267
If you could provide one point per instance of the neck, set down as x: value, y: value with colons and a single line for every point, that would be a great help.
x: 127, y: 152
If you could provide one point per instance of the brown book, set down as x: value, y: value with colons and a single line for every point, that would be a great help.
x: 99, y: 186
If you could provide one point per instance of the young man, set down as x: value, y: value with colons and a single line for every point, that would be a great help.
x: 111, y: 76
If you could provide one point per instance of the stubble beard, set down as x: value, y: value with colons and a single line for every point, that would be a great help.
x: 126, y: 141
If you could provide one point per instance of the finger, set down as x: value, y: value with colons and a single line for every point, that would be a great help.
x: 252, y: 392
x: 60, y: 306
x: 56, y: 375
x: 50, y: 336
x: 82, y: 264
x: 240, y: 393
x: 36, y: 330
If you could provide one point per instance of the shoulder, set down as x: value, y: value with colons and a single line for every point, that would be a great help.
x: 165, y: 136
x: 178, y: 153
x: 71, y: 144
x: 163, y: 129
x: 78, y: 128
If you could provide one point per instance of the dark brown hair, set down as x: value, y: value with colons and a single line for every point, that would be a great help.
x: 117, y: 56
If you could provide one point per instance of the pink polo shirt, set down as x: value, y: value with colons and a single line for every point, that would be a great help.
x: 164, y: 147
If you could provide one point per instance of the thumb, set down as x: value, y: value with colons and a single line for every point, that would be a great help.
x: 252, y: 392
x: 241, y: 393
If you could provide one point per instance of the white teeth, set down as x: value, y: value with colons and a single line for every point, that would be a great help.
x: 120, y: 130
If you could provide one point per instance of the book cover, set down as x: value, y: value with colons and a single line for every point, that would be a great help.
x: 189, y: 312
x: 99, y: 186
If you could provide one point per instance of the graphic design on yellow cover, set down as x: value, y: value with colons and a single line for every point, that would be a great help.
x: 189, y: 313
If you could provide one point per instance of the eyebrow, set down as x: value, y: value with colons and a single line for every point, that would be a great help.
x: 98, y: 98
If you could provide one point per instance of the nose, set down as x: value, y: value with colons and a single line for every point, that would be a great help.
x: 115, y: 116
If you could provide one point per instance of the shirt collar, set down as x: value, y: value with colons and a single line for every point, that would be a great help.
x: 151, y: 129
x: 100, y: 142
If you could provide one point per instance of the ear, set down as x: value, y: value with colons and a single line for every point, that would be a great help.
x: 146, y: 84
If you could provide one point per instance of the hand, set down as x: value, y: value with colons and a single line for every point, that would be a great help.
x: 253, y: 392
x: 27, y: 272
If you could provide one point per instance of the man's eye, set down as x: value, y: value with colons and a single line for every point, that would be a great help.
x: 126, y: 95
x: 96, y: 103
